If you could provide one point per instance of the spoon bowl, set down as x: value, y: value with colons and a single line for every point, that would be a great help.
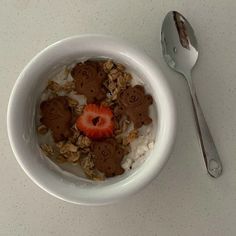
x: 179, y: 44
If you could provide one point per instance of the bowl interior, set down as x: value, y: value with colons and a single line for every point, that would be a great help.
x: 22, y: 111
x: 138, y: 78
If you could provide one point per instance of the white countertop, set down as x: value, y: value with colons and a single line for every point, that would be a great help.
x: 183, y: 200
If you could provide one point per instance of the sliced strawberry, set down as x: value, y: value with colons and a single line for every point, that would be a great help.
x: 96, y: 121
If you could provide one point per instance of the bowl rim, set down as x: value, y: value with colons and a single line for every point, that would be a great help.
x: 133, y: 185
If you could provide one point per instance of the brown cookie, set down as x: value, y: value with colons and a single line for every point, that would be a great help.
x: 108, y: 157
x: 89, y: 77
x: 134, y: 103
x: 57, y: 116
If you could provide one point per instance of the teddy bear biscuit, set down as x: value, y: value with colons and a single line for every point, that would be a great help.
x: 108, y: 156
x: 88, y: 77
x: 57, y: 116
x: 134, y: 103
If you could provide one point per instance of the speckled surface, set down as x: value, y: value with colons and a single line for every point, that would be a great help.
x: 183, y: 200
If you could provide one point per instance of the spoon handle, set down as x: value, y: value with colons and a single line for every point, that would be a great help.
x: 211, y: 156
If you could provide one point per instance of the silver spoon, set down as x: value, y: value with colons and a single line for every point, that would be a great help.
x: 180, y: 52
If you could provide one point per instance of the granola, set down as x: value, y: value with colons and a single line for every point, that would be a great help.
x: 83, y: 142
x: 68, y: 151
x: 61, y: 159
x: 42, y: 129
x: 68, y: 86
x: 120, y: 67
x: 88, y: 166
x: 78, y: 109
x: 114, y: 74
x: 124, y: 124
x: 131, y: 137
x: 67, y: 147
x: 47, y: 149
x: 72, y: 156
x: 53, y: 86
x: 118, y: 80
x: 72, y: 102
x: 108, y: 65
x: 75, y: 136
x: 56, y: 87
x: 75, y: 146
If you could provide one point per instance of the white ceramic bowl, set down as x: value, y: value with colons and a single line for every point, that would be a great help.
x: 21, y: 120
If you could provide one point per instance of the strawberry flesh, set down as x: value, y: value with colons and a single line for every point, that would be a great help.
x: 96, y: 122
